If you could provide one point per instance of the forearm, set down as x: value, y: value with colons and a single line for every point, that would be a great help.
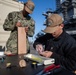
x: 10, y: 23
x: 9, y: 26
x: 31, y: 31
x: 41, y: 40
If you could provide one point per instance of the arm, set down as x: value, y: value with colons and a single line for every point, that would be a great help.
x: 31, y: 28
x: 42, y: 40
x: 68, y: 61
x: 65, y: 57
x: 9, y: 25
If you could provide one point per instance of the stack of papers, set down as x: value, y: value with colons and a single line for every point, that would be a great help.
x: 40, y: 59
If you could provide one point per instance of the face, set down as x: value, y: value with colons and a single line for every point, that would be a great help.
x: 25, y: 12
x: 58, y: 31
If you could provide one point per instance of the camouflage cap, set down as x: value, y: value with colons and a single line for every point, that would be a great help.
x: 29, y: 6
x: 52, y: 23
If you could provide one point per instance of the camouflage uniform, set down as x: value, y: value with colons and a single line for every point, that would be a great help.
x: 10, y: 25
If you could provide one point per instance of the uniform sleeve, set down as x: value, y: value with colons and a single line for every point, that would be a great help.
x: 42, y: 40
x: 9, y: 25
x: 31, y: 28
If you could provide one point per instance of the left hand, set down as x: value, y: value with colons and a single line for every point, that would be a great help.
x: 18, y: 24
x: 7, y: 52
x: 39, y: 48
x: 26, y: 29
x: 46, y: 53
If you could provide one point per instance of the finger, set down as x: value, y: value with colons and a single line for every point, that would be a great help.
x: 43, y: 53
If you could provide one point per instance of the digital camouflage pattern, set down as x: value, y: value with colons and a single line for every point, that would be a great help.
x: 10, y: 25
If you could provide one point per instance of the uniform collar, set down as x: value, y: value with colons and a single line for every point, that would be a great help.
x: 61, y: 36
x: 21, y: 15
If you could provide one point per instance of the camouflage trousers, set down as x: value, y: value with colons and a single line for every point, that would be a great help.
x: 12, y: 46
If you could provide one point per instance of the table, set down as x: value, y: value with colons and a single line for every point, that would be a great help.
x: 15, y: 69
x: 28, y: 70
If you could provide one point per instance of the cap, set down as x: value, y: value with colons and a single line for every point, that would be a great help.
x: 29, y: 6
x: 52, y: 23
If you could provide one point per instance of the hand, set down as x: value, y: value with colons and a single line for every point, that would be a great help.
x: 26, y: 29
x: 7, y: 52
x: 39, y: 48
x: 18, y: 24
x: 46, y: 53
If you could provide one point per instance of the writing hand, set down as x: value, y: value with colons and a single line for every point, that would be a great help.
x: 46, y: 53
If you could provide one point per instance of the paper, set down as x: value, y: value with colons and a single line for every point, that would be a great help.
x: 21, y: 40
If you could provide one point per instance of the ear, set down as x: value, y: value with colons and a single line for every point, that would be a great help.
x: 62, y: 25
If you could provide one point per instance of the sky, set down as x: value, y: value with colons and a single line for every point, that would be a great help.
x: 41, y: 6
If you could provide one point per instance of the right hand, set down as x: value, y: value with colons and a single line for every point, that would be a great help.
x: 18, y: 24
x: 39, y: 48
